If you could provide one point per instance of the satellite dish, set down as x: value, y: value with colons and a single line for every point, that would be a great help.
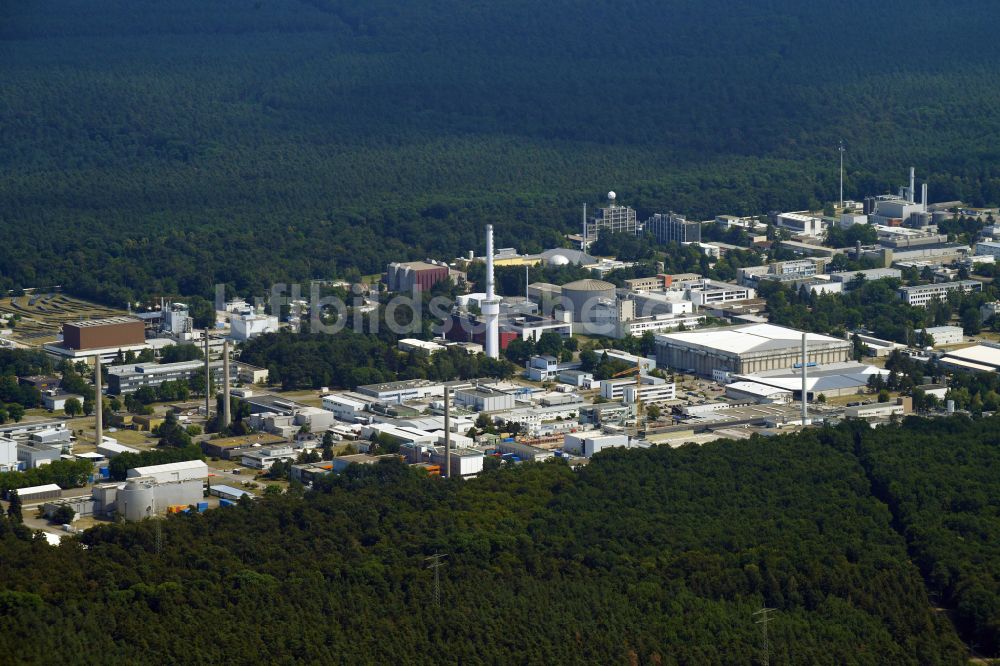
x: 611, y: 196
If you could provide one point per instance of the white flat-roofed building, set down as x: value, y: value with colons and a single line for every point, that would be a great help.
x: 111, y: 448
x: 264, y: 458
x: 8, y: 455
x: 35, y: 493
x: 402, y: 391
x: 801, y: 224
x: 464, y: 462
x: 525, y: 451
x: 484, y: 400
x: 977, y: 358
x: 946, y: 335
x: 647, y: 304
x: 245, y: 326
x: 587, y: 444
x: 133, y: 376
x: 850, y: 219
x: 177, y: 471
x: 761, y: 393
x: 658, y: 323
x: 824, y: 287
x: 419, y: 347
x: 401, y: 435
x: 923, y: 294
x: 868, y: 274
x: 650, y: 390
x: 710, y: 292
x: 344, y: 408
x: 877, y: 410
x: 745, y: 349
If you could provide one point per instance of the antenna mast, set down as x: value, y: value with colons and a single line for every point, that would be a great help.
x: 840, y: 148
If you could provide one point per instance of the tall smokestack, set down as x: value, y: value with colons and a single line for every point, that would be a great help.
x: 923, y: 197
x: 227, y: 419
x: 491, y: 306
x: 913, y: 184
x: 584, y: 248
x: 805, y: 392
x: 98, y: 403
x: 208, y: 381
x: 447, y: 431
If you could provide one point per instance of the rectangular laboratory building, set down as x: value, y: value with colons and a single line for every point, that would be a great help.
x: 746, y: 349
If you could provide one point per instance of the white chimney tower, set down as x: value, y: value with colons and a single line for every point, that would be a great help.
x: 491, y: 306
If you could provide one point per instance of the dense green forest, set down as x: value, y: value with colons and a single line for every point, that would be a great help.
x: 939, y: 478
x: 155, y: 148
x: 654, y: 556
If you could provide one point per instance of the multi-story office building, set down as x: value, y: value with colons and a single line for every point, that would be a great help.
x: 131, y: 377
x: 923, y: 294
x: 673, y: 228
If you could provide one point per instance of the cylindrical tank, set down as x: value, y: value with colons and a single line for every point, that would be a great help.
x: 950, y: 406
x: 583, y: 295
x: 137, y: 500
x: 940, y: 216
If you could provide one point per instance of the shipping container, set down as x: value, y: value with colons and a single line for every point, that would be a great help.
x: 202, y: 507
x: 225, y: 502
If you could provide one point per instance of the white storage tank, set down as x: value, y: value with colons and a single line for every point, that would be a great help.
x: 137, y: 500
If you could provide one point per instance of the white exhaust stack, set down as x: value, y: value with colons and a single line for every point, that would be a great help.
x: 491, y: 306
x: 913, y: 185
x: 227, y: 419
x: 923, y: 197
x: 805, y: 392
x: 98, y: 403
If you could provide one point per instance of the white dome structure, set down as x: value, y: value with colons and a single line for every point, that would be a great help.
x: 558, y: 260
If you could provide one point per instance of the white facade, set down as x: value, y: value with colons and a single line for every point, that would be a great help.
x: 825, y: 287
x: 708, y: 292
x: 797, y: 223
x: 850, y: 219
x: 264, y: 458
x: 344, y: 409
x: 923, y: 294
x: 464, y: 462
x: 659, y: 323
x: 946, y: 335
x: 246, y: 326
x: 8, y: 455
x: 588, y: 445
x: 178, y: 471
x: 651, y: 390
x: 420, y: 347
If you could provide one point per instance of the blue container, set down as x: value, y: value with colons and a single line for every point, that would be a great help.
x: 104, y: 472
x: 202, y: 507
x: 225, y: 502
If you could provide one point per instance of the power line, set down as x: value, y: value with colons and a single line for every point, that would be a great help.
x: 434, y: 562
x: 765, y: 617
